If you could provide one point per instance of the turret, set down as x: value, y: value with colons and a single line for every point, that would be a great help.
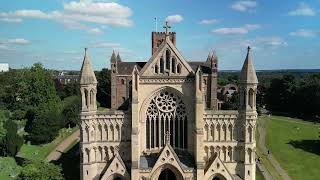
x: 114, y: 71
x: 248, y: 115
x: 212, y: 61
x: 88, y: 85
x: 248, y: 84
x: 118, y: 58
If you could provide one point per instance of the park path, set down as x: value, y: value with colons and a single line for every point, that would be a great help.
x: 264, y: 171
x: 58, y: 151
x: 262, y: 139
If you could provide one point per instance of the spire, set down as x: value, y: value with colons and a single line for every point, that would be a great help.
x: 210, y: 55
x: 113, y: 57
x: 248, y: 73
x: 118, y: 57
x: 87, y: 75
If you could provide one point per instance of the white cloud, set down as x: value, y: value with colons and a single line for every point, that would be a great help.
x: 174, y: 18
x: 69, y: 24
x: 267, y: 44
x: 209, y: 21
x: 98, y: 13
x: 237, y: 30
x: 11, y: 20
x: 244, y: 5
x: 272, y: 41
x: 100, y: 8
x: 9, y: 44
x: 302, y: 10
x: 18, y: 41
x: 304, y: 33
x: 106, y: 45
x: 231, y: 31
x: 252, y: 26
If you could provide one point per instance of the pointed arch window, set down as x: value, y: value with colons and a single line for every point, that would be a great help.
x: 86, y: 95
x: 168, y: 53
x: 173, y: 65
x: 91, y: 97
x: 251, y: 98
x: 179, y: 68
x: 156, y: 69
x: 161, y: 65
x: 166, y: 113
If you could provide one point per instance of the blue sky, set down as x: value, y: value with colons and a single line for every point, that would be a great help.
x: 283, y: 34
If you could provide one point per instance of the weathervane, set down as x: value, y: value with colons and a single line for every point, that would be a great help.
x: 167, y: 27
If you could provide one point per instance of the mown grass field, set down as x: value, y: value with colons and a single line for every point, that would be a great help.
x: 296, y: 146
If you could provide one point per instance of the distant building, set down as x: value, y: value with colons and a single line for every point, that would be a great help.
x: 63, y: 78
x: 4, y: 67
x: 226, y: 92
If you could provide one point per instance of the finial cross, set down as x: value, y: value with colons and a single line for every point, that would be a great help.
x: 167, y: 137
x: 167, y: 27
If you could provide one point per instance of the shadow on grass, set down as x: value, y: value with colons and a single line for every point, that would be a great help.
x: 312, y: 146
x: 70, y: 163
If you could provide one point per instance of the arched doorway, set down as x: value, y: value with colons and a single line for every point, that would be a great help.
x: 167, y: 174
x: 218, y: 177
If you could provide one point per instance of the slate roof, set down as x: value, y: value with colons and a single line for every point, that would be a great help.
x: 126, y: 68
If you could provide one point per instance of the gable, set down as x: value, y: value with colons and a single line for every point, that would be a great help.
x: 216, y: 168
x: 167, y: 61
x: 168, y: 157
x: 116, y: 168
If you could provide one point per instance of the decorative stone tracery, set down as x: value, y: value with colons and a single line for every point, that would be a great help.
x: 166, y: 113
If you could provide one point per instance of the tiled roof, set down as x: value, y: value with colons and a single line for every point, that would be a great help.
x: 126, y: 68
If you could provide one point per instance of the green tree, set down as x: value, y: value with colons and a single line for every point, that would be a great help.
x: 307, y: 97
x: 4, y: 116
x: 279, y: 96
x: 9, y: 89
x: 71, y: 110
x: 67, y: 90
x: 36, y: 86
x: 45, y: 123
x: 104, y: 87
x: 41, y: 171
x: 12, y: 142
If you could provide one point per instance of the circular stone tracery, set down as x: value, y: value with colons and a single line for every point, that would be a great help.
x: 166, y: 113
x: 166, y: 101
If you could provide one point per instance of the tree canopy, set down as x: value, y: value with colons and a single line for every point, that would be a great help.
x: 40, y: 170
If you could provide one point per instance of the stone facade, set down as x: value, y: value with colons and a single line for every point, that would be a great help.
x: 165, y: 122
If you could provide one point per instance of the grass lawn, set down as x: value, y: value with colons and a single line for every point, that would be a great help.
x: 40, y: 152
x: 263, y: 157
x: 296, y: 146
x: 259, y: 176
x: 8, y: 168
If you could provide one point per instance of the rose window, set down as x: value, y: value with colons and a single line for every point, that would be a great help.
x: 166, y: 113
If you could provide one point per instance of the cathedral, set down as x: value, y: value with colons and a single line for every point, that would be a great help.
x: 165, y: 120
